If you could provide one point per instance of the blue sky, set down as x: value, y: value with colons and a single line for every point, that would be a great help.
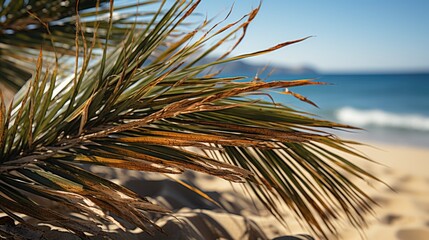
x: 350, y: 36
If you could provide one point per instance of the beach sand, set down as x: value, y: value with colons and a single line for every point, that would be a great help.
x: 403, y: 212
x: 404, y: 209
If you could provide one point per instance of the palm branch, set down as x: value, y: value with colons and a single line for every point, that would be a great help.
x: 141, y: 106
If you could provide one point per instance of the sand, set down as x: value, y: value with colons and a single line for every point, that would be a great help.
x: 403, y: 212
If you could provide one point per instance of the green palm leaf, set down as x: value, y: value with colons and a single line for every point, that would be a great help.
x: 141, y: 105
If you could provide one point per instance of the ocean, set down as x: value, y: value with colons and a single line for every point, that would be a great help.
x: 391, y: 108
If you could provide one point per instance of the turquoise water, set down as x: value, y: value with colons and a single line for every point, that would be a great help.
x: 392, y: 108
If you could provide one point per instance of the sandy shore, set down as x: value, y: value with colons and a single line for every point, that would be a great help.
x: 403, y: 212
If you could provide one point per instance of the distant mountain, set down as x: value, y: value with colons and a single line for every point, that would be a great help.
x: 251, y: 69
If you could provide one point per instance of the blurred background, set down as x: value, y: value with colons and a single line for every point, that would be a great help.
x: 374, y: 54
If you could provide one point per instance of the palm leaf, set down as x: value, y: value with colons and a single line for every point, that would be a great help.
x: 141, y: 105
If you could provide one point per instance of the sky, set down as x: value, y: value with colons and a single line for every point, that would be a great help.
x: 349, y: 36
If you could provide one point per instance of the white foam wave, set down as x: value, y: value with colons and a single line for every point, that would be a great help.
x: 381, y: 118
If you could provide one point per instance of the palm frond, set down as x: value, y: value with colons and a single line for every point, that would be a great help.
x: 141, y: 105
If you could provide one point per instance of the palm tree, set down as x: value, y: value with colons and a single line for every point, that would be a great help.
x: 137, y: 96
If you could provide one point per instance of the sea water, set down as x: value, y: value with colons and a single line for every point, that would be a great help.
x: 391, y: 108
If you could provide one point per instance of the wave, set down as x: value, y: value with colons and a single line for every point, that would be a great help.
x: 379, y: 118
